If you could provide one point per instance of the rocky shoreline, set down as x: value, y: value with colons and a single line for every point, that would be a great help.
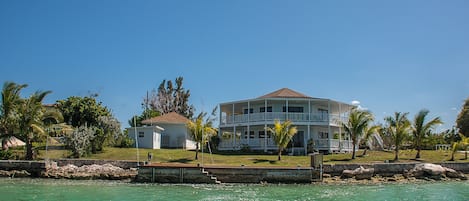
x: 420, y: 173
x: 85, y: 172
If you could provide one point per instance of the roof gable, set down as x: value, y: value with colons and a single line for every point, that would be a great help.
x: 285, y: 93
x: 170, y: 118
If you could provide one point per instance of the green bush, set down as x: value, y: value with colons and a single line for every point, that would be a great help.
x: 126, y: 142
x: 6, y: 154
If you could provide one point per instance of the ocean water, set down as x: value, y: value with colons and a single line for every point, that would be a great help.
x: 63, y: 190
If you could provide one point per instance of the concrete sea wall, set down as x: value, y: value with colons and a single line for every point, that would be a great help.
x: 187, y: 174
x: 33, y: 167
x: 191, y: 174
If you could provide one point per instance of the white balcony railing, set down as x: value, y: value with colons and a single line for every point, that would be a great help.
x: 261, y: 143
x: 282, y: 116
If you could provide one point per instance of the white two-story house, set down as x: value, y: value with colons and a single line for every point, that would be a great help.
x: 243, y: 123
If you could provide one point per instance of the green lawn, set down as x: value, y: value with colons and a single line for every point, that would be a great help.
x: 233, y: 159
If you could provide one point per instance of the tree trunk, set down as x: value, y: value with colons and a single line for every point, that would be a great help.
x: 396, y: 158
x: 280, y: 154
x: 29, y: 149
x: 353, y: 151
x: 465, y: 153
x: 196, y: 151
x: 364, y: 152
x: 4, y: 144
x: 418, y: 153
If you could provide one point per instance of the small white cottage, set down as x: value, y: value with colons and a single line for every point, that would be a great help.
x: 147, y: 137
x: 166, y: 131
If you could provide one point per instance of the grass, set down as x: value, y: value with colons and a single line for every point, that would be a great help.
x: 258, y: 159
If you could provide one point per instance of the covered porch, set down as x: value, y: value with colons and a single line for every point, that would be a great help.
x: 308, y: 139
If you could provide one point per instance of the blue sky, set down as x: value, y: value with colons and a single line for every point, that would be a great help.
x: 388, y: 55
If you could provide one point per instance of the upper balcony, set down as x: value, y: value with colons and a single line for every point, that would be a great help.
x: 296, y: 118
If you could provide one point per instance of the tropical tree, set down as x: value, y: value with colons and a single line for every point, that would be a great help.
x: 8, y: 107
x: 31, y: 115
x: 88, y: 112
x: 462, y: 122
x: 358, y: 122
x: 170, y: 99
x: 369, y: 132
x: 282, y: 134
x: 461, y: 144
x: 78, y: 111
x: 201, y: 130
x: 420, y: 128
x: 398, y: 128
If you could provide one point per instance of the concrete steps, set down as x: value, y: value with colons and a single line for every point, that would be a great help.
x: 212, y: 177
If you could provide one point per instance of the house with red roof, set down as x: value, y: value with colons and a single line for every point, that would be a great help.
x: 243, y: 123
x: 165, y: 131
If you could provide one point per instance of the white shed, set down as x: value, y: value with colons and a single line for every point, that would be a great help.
x: 175, y: 134
x: 147, y: 136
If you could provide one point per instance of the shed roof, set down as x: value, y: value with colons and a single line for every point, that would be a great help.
x: 170, y: 118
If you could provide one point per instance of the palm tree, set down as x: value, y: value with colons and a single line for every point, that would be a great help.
x: 461, y: 144
x: 369, y: 131
x: 358, y: 122
x: 201, y: 130
x: 31, y: 115
x: 8, y: 110
x: 420, y: 129
x: 282, y: 134
x: 398, y: 127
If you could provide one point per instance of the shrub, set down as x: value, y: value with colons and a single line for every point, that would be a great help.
x: 6, y: 154
x: 80, y: 141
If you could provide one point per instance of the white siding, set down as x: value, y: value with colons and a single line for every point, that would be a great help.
x: 148, y: 137
x: 177, y: 135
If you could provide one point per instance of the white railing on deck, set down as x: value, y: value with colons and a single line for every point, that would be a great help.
x: 257, y: 143
x: 282, y: 116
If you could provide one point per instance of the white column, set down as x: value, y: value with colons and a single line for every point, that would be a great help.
x: 249, y: 122
x: 265, y: 137
x: 340, y: 126
x: 286, y: 109
x: 329, y: 124
x: 265, y: 125
x: 219, y: 107
x: 234, y: 125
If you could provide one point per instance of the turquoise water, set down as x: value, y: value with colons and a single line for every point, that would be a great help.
x: 50, y: 189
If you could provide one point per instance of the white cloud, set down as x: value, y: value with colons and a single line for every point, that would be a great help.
x: 453, y: 108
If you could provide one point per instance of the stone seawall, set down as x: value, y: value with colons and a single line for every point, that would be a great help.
x: 388, y: 169
x: 69, y: 168
x: 34, y: 168
x: 383, y: 169
x: 81, y: 162
x: 177, y: 173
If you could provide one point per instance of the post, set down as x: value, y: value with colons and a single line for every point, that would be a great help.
x: 136, y: 139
